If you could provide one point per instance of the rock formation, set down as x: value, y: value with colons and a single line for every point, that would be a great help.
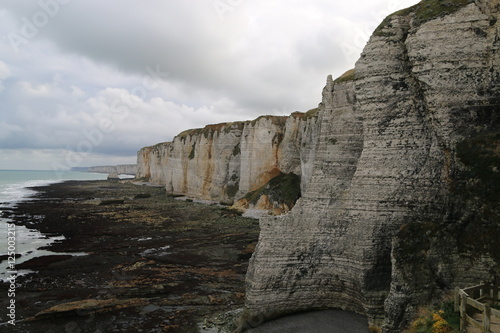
x: 402, y: 204
x: 113, y: 176
x: 224, y: 162
x: 123, y: 169
x: 399, y: 172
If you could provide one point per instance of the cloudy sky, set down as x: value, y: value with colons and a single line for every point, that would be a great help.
x: 90, y: 82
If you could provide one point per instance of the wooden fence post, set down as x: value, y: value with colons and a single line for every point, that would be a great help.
x: 486, y: 318
x: 463, y: 312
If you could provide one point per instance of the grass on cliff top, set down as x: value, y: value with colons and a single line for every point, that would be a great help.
x: 306, y: 115
x: 424, y: 11
x: 156, y: 146
x: 277, y: 120
x: 350, y: 75
x: 209, y: 130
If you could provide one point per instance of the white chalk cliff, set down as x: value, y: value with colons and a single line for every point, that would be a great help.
x: 400, y: 169
x: 224, y: 162
x: 126, y: 169
x: 402, y: 205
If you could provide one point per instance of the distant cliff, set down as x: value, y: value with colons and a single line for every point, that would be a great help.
x: 226, y: 162
x: 403, y: 201
x: 399, y: 167
x: 124, y: 169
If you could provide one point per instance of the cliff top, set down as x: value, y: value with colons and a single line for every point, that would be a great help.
x: 424, y: 11
x: 347, y: 76
x: 306, y: 115
x: 212, y: 128
x: 157, y: 145
x: 208, y: 129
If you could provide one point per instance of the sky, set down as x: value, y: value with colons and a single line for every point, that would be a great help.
x: 86, y: 83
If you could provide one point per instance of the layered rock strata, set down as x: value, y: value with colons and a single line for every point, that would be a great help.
x: 396, y: 182
x: 224, y: 162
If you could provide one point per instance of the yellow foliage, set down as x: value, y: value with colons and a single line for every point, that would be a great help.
x: 430, y: 322
x: 374, y: 329
x: 419, y: 322
x: 440, y: 324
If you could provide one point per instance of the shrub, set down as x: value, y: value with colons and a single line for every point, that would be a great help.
x: 442, y: 319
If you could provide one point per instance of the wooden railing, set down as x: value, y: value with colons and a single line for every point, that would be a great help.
x: 481, y: 298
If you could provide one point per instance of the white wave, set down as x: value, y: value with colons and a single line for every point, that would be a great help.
x: 17, y: 192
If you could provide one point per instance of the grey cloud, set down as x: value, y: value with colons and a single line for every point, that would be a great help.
x: 261, y: 58
x: 188, y: 40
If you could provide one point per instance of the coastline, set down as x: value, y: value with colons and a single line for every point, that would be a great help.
x: 154, y: 263
x: 17, y: 186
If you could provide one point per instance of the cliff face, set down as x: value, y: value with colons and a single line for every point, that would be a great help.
x: 126, y: 169
x: 402, y: 201
x: 224, y: 162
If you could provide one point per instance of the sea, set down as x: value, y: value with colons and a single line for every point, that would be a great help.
x: 14, y: 188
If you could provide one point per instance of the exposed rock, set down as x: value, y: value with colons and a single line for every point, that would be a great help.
x: 398, y: 166
x: 43, y: 261
x: 123, y: 169
x: 113, y: 176
x: 391, y: 215
x: 142, y: 196
x: 188, y: 260
x: 89, y: 306
x: 106, y: 202
x: 224, y: 162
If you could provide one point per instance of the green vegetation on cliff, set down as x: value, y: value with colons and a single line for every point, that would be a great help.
x: 473, y: 230
x: 350, y: 75
x: 284, y: 188
x: 482, y: 156
x: 277, y: 120
x: 480, y: 189
x: 305, y: 115
x: 231, y: 190
x: 441, y: 318
x: 209, y: 130
x: 424, y: 11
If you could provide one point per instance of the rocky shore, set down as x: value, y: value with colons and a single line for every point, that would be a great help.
x: 153, y: 263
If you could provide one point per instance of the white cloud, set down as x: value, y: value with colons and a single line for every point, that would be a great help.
x: 77, y: 92
x: 37, y: 90
x: 4, y: 73
x: 4, y: 70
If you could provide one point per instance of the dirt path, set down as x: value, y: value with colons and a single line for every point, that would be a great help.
x: 327, y: 321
